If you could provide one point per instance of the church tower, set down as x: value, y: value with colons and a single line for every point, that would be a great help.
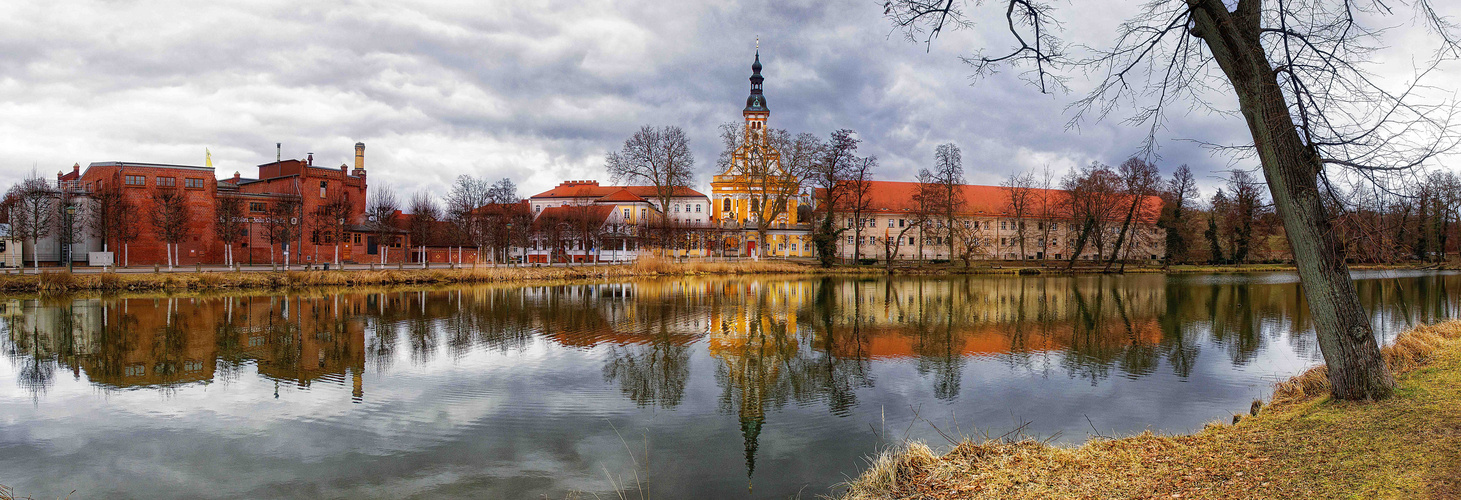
x: 751, y: 196
x: 756, y: 112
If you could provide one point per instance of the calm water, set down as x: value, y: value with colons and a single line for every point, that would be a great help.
x: 709, y: 388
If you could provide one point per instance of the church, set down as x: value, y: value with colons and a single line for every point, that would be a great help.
x: 755, y: 199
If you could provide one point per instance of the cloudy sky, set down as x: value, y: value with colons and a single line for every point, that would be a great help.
x: 536, y: 91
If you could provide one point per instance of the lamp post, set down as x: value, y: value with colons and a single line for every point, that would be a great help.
x: 70, y: 236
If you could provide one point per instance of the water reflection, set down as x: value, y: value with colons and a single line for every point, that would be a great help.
x: 762, y: 349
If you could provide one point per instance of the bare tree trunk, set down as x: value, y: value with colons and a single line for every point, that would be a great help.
x: 1121, y: 237
x: 1356, y: 369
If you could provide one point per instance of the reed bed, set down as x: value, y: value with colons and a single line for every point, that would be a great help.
x: 52, y: 282
x: 1302, y: 445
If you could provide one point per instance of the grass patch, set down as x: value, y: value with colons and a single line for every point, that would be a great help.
x: 1302, y: 445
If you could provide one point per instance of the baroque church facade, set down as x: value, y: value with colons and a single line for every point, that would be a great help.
x: 755, y: 198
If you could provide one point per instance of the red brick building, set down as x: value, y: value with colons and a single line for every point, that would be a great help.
x: 298, y: 185
x: 138, y: 181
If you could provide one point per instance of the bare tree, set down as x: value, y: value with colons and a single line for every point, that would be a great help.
x: 828, y: 177
x: 774, y: 164
x: 171, y: 220
x: 1176, y: 211
x: 1247, y: 207
x: 332, y: 221
x: 228, y: 224
x: 1020, y: 201
x: 1139, y: 180
x: 422, y: 226
x: 914, y: 220
x: 859, y: 199
x: 948, y: 179
x: 380, y: 215
x: 464, y: 206
x: 498, y: 220
x: 1297, y: 71
x: 111, y: 211
x: 655, y: 156
x: 281, y: 222
x: 32, y: 214
x: 1091, y: 203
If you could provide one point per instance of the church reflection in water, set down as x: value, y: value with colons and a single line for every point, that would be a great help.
x: 772, y: 342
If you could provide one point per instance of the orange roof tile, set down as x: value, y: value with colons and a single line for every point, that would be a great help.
x: 892, y: 196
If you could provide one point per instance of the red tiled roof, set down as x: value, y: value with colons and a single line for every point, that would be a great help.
x: 585, y: 189
x: 503, y: 208
x: 891, y: 196
x: 597, y: 214
x: 623, y: 195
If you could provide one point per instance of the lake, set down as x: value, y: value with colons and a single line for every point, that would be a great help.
x: 719, y: 387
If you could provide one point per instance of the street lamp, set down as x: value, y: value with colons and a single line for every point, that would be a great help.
x: 70, y: 236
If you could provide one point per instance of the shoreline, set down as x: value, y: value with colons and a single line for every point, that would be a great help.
x: 59, y: 281
x: 1302, y: 444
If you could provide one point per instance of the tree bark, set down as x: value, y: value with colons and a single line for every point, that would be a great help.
x: 1356, y: 369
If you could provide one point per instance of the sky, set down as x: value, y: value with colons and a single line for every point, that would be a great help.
x: 540, y: 91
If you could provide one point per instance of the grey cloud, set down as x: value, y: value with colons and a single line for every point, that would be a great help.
x: 533, y: 91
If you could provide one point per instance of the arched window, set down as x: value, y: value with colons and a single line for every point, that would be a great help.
x: 725, y: 205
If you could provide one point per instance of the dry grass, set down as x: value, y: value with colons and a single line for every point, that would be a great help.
x: 1300, y: 446
x: 63, y: 282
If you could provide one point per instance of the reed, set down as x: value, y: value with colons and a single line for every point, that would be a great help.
x: 62, y: 282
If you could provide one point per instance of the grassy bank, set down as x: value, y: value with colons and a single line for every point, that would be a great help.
x: 63, y: 282
x: 1302, y: 445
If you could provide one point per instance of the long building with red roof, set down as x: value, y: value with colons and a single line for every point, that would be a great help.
x: 985, y: 226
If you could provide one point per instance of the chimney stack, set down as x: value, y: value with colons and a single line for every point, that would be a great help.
x: 309, y: 159
x: 359, y: 160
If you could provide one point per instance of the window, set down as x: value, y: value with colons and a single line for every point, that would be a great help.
x: 849, y: 239
x: 136, y: 180
x: 626, y: 214
x: 890, y: 223
x: 167, y: 182
x: 725, y: 205
x: 1002, y: 226
x: 322, y: 188
x: 256, y: 206
x: 986, y: 224
x: 193, y: 183
x: 910, y: 240
x: 677, y: 208
x: 901, y: 221
x: 755, y: 205
x: 697, y: 208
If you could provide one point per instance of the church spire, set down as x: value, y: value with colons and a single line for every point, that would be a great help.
x: 756, y: 103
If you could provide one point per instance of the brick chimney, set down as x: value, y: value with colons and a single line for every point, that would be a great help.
x: 310, y: 159
x: 236, y: 178
x: 359, y: 160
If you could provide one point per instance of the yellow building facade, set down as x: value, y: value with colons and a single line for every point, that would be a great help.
x: 754, y: 187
